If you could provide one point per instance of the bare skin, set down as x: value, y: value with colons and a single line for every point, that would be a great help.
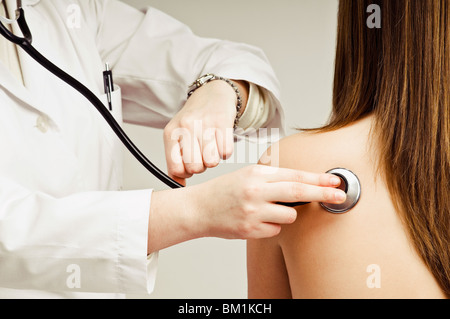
x: 365, y: 253
x: 214, y: 105
x: 239, y: 205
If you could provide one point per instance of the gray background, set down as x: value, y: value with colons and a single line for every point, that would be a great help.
x: 298, y: 36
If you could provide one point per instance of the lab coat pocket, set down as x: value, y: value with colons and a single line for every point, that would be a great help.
x: 114, y: 179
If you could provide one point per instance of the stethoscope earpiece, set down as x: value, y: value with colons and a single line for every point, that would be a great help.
x: 350, y: 185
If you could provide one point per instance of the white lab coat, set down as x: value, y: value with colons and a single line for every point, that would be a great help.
x: 65, y: 226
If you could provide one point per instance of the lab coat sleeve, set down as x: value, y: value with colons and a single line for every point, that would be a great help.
x: 88, y: 242
x: 155, y: 58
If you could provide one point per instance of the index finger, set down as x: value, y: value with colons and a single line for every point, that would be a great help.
x: 291, y: 175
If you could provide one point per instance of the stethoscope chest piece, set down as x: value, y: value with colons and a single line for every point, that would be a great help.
x: 350, y: 185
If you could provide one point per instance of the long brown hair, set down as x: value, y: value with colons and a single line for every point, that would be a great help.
x: 400, y: 73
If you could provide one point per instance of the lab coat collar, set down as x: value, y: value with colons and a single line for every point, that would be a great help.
x: 9, y: 83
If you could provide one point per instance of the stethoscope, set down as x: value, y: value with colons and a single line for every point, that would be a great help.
x: 350, y: 182
x: 25, y: 44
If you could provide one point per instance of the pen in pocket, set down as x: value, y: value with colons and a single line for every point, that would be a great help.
x: 109, y: 84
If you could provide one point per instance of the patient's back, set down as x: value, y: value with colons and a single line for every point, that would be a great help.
x: 365, y: 253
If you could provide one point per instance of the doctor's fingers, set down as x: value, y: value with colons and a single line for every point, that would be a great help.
x: 271, y: 217
x: 205, y: 150
x: 225, y: 141
x: 278, y: 214
x: 264, y: 230
x: 276, y: 174
x: 292, y: 192
x: 191, y: 153
x: 210, y: 149
x: 174, y: 160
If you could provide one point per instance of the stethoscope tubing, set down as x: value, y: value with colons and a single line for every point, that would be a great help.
x: 25, y: 44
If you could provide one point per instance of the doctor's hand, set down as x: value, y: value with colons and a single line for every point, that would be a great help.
x: 240, y: 205
x: 201, y: 134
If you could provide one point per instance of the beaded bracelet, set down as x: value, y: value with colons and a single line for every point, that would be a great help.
x: 211, y: 77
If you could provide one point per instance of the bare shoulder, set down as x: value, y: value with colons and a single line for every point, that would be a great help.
x: 317, y: 150
x: 364, y: 253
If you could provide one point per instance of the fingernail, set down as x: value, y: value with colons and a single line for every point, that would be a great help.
x: 340, y: 196
x: 335, y: 181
